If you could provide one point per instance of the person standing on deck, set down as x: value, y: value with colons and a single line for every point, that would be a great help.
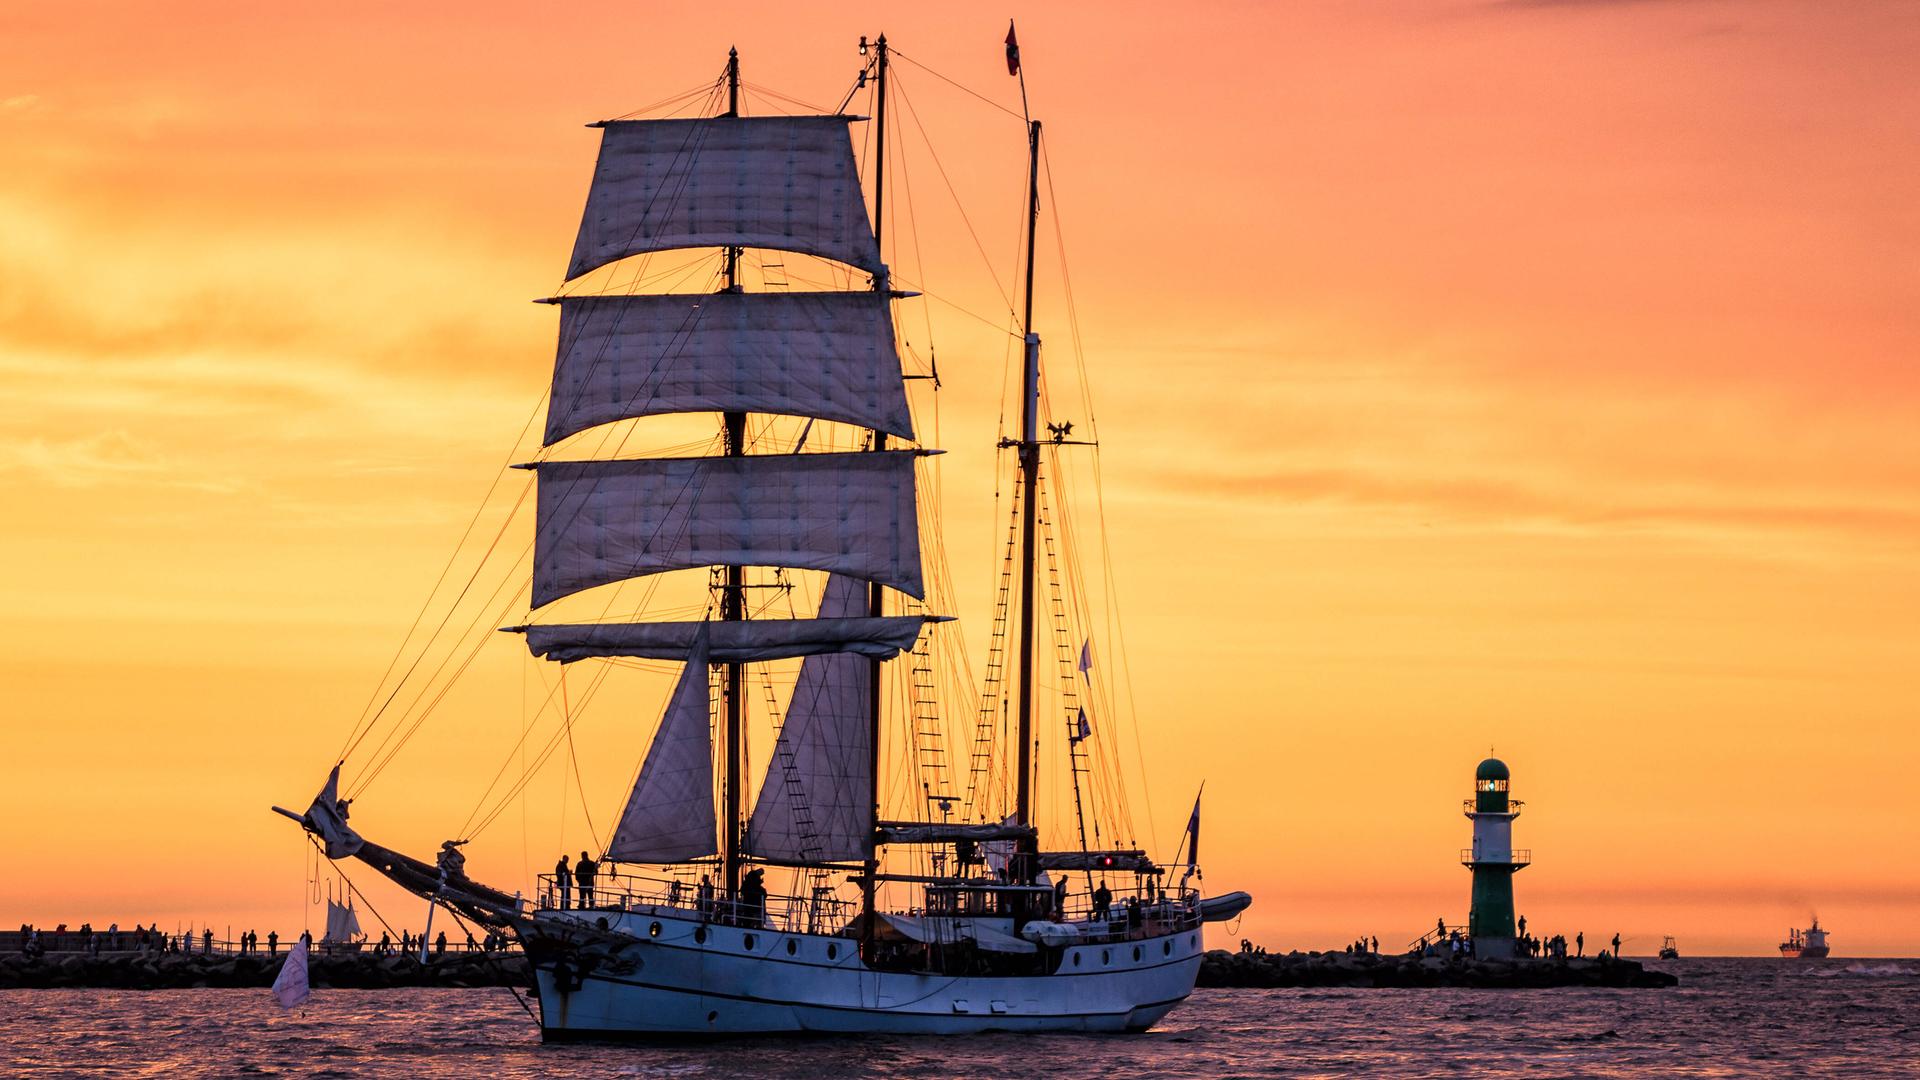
x: 563, y: 877
x: 583, y: 876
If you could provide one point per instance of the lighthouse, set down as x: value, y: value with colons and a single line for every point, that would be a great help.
x: 1493, y: 860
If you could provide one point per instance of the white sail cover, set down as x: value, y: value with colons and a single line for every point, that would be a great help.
x: 604, y: 521
x: 669, y: 816
x: 731, y: 642
x: 327, y: 818
x: 826, y: 355
x: 783, y: 182
x: 816, y: 804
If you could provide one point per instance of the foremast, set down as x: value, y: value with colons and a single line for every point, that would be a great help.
x: 732, y: 600
x: 876, y: 596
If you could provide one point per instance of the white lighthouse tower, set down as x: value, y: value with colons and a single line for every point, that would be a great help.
x: 1493, y: 860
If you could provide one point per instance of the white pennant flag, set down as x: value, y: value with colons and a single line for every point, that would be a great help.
x: 290, y: 988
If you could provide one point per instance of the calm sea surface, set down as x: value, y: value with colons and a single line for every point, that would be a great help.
x: 1728, y: 1018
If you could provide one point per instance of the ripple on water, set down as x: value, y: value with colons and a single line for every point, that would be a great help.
x: 1728, y: 1018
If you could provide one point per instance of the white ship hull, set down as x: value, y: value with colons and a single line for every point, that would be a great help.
x: 674, y: 984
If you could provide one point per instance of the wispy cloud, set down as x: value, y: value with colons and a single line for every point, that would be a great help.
x: 86, y: 460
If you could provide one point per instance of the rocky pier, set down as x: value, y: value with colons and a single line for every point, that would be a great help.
x: 1221, y: 968
x: 172, y: 970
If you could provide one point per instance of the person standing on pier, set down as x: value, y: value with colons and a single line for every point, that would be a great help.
x: 563, y: 877
x: 1616, y: 944
x: 207, y: 937
x: 273, y: 943
x: 1579, y: 943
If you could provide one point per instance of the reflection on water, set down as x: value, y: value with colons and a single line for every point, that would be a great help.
x: 1728, y: 1018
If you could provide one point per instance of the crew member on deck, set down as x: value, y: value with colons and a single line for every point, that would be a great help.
x: 563, y: 877
x: 583, y: 876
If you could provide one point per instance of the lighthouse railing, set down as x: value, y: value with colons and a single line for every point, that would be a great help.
x: 1515, y: 857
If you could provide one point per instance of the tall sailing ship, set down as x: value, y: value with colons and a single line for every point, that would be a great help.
x: 677, y: 930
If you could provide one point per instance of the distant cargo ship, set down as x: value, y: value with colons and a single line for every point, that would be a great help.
x: 1669, y: 950
x: 1808, y: 944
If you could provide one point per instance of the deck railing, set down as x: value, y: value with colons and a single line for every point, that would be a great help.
x: 823, y: 913
x: 814, y: 914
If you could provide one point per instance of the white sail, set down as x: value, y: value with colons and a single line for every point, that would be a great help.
x: 669, y: 817
x: 343, y: 923
x: 290, y: 987
x: 829, y: 356
x: 731, y: 642
x: 605, y: 521
x: 816, y: 804
x: 783, y: 182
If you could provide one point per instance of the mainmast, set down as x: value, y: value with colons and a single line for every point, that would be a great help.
x: 1029, y: 491
x: 876, y: 597
x: 732, y: 609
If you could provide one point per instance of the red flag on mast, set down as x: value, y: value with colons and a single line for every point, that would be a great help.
x: 1013, y: 51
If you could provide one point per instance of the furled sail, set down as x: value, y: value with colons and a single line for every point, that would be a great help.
x: 732, y: 642
x: 783, y: 182
x: 669, y: 817
x: 817, y: 802
x: 604, y: 521
x: 826, y: 355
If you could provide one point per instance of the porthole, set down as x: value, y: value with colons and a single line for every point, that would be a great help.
x: 1166, y: 948
x: 833, y: 952
x: 699, y: 935
x: 747, y: 942
x: 1136, y: 954
x: 792, y: 947
x: 653, y: 930
x: 1076, y: 959
x: 1106, y: 957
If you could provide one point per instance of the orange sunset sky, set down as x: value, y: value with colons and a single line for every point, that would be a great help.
x: 1537, y: 375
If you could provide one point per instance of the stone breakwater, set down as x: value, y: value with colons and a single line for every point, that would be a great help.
x: 365, y: 971
x: 1221, y: 968
x: 168, y: 971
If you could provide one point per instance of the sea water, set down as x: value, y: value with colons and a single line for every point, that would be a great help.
x: 1744, y: 1017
